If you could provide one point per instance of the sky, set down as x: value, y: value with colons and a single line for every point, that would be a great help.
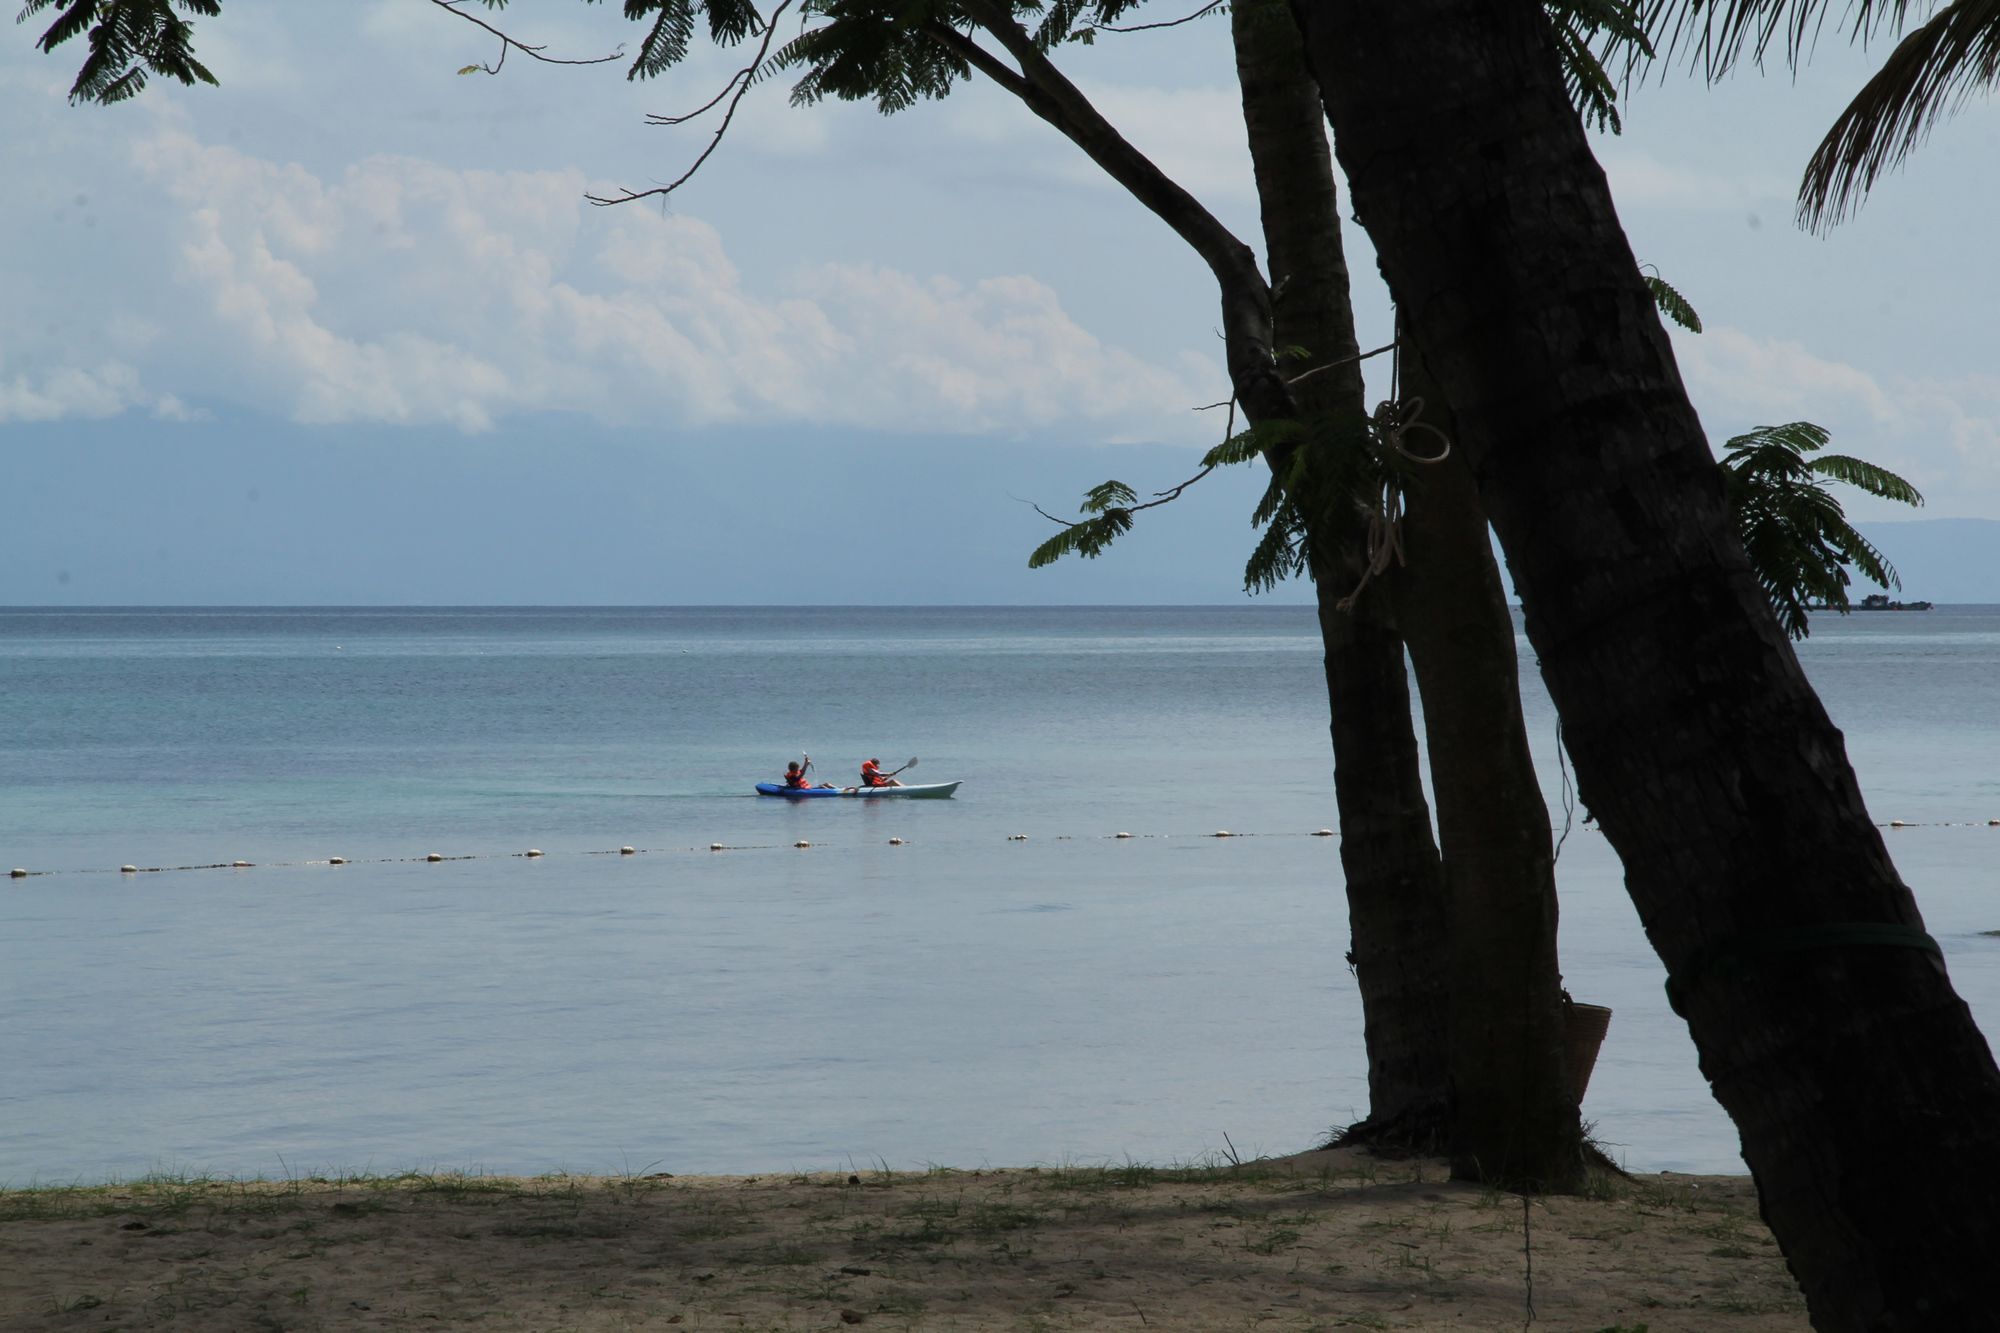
x: 346, y: 330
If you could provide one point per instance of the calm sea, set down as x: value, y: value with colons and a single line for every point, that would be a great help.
x: 965, y: 998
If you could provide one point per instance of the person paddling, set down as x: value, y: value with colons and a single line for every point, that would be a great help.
x: 873, y: 776
x: 795, y: 775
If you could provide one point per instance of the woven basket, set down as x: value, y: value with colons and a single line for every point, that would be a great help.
x: 1584, y: 1026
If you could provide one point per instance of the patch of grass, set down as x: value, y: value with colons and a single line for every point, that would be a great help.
x: 1274, y: 1240
x: 929, y: 1231
x: 1749, y: 1305
x: 574, y: 1227
x: 989, y: 1219
x: 786, y: 1256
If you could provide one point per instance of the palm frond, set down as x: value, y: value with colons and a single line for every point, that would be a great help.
x: 1925, y: 80
x: 1713, y: 35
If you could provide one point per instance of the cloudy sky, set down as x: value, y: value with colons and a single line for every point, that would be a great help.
x: 346, y: 328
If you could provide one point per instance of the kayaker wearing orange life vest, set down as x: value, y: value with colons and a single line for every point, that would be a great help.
x: 872, y: 775
x: 795, y: 775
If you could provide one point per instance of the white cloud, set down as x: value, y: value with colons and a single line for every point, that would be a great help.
x: 1774, y: 379
x: 1639, y: 178
x: 1194, y: 134
x: 72, y: 391
x: 408, y: 292
x: 1942, y: 433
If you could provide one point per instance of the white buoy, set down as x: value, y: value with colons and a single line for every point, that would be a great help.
x: 240, y: 865
x: 336, y: 860
x: 1897, y: 823
x: 433, y: 857
x: 628, y: 851
x: 715, y: 846
x: 128, y: 870
x: 17, y: 873
x: 1121, y: 835
x: 532, y: 851
x: 1323, y: 833
x: 801, y: 843
x: 895, y: 842
x: 1223, y: 833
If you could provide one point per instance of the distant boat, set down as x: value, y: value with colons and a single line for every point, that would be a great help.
x: 1879, y: 601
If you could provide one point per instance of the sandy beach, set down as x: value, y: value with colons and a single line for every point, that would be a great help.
x: 1322, y: 1240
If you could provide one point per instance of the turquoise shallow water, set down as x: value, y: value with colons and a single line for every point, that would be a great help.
x: 960, y: 999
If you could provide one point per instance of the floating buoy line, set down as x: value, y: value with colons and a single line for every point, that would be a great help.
x: 536, y: 853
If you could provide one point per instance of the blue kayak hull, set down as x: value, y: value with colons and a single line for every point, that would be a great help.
x: 933, y: 791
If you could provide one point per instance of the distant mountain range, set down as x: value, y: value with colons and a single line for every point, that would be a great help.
x: 1940, y: 559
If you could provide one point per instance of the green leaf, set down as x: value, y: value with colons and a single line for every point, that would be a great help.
x: 1087, y: 539
x: 1793, y: 529
x: 468, y: 69
x: 1248, y: 445
x: 1868, y: 477
x: 1672, y: 304
x: 1106, y: 496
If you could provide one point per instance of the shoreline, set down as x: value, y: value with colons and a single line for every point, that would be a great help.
x: 1323, y: 1239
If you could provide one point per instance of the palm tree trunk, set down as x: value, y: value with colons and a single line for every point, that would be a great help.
x: 1397, y: 911
x: 1514, y: 1123
x: 1826, y: 1023
x: 1499, y: 1071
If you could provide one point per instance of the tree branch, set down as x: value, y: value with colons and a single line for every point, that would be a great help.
x: 509, y: 43
x: 738, y: 84
x: 972, y: 53
x: 1203, y: 12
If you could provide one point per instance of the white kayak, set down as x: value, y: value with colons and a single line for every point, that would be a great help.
x: 932, y: 791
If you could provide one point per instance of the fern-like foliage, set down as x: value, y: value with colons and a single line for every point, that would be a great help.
x: 1087, y: 539
x: 1588, y: 32
x: 1672, y: 304
x: 1797, y: 535
x: 128, y: 39
x: 1585, y: 29
x: 1248, y: 445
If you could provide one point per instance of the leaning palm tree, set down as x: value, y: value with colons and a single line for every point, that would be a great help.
x: 1947, y: 52
x: 1797, y: 536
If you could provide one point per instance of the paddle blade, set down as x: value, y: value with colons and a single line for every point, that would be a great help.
x: 911, y: 764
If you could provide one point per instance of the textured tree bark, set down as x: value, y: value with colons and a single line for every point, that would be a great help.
x: 1514, y: 1123
x: 1501, y: 1090
x: 1827, y: 1026
x: 1395, y: 887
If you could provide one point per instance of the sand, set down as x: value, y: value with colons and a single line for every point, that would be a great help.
x: 1325, y: 1240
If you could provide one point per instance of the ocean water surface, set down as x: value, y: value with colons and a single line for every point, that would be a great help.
x: 965, y: 998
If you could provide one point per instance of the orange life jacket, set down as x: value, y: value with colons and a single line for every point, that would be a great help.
x: 795, y: 777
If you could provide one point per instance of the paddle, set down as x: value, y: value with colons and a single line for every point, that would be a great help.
x: 892, y: 773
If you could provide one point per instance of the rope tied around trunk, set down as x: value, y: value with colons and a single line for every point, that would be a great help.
x: 1393, y: 422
